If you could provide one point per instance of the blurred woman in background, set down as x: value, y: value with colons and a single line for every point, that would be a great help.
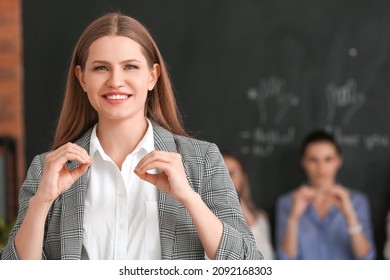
x: 256, y: 219
x: 322, y: 219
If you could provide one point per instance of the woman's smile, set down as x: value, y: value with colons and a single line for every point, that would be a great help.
x: 117, y: 97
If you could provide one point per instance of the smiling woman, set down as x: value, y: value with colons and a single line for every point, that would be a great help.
x: 96, y: 195
x: 117, y: 78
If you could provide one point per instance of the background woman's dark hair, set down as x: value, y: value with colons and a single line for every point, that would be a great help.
x: 319, y: 135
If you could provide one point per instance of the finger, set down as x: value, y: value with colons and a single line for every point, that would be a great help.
x: 69, y: 151
x: 151, y: 178
x: 152, y: 156
x: 80, y: 170
x: 60, y: 160
x: 155, y: 157
x: 306, y: 193
x: 339, y: 193
x: 165, y: 167
x: 73, y: 148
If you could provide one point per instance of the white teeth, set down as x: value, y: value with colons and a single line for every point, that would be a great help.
x: 117, y: 97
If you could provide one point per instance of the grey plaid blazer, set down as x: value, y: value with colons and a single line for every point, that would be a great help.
x: 207, y: 174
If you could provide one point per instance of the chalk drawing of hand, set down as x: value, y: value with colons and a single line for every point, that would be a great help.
x: 272, y: 88
x: 345, y: 98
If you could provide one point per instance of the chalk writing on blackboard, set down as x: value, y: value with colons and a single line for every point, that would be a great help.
x: 369, y: 142
x: 345, y: 100
x: 263, y: 141
x: 273, y: 103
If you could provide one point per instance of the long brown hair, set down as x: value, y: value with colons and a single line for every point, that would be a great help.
x: 77, y: 114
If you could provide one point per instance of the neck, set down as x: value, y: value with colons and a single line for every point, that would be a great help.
x: 118, y: 139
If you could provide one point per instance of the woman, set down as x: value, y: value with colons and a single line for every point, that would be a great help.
x: 123, y: 180
x: 256, y: 219
x: 322, y: 219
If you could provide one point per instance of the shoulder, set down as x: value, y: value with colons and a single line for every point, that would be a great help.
x: 262, y: 216
x: 189, y: 144
x: 197, y: 153
x: 285, y: 199
x: 284, y: 203
x: 185, y: 145
x: 357, y: 197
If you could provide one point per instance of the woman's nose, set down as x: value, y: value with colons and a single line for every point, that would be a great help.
x: 116, y: 80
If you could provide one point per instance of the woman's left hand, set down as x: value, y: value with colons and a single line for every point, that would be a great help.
x: 343, y: 202
x: 172, y: 178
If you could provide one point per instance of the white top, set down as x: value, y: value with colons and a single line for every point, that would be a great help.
x: 262, y: 235
x: 121, y: 211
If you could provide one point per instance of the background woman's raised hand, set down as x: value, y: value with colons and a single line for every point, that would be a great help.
x: 301, y: 198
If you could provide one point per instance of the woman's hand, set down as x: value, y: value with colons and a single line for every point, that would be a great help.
x: 300, y: 199
x: 172, y: 178
x: 57, y: 178
x: 342, y: 200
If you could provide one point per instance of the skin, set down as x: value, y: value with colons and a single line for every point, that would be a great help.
x: 321, y: 163
x: 116, y: 66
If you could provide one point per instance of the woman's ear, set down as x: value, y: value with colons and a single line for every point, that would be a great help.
x: 80, y: 76
x: 154, y: 75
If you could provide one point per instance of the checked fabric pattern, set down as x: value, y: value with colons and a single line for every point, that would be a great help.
x: 206, y: 173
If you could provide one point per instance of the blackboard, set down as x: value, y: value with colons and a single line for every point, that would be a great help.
x: 254, y: 76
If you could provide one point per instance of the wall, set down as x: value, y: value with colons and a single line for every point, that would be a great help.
x: 11, y: 102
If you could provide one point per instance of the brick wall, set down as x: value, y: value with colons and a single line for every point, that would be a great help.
x: 11, y: 91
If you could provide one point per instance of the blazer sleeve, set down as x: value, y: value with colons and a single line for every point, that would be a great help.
x: 27, y: 190
x: 219, y: 193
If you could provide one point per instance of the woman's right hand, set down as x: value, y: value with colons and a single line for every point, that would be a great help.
x: 56, y: 177
x: 300, y: 199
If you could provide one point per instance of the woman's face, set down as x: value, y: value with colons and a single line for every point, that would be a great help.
x: 235, y: 171
x: 321, y: 162
x: 117, y: 78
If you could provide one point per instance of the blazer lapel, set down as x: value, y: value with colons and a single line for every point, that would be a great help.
x: 72, y: 213
x: 167, y: 205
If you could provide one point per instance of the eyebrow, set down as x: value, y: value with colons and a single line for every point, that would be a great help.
x: 122, y: 62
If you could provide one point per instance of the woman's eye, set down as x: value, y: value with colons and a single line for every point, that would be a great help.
x: 101, y: 68
x: 130, y: 67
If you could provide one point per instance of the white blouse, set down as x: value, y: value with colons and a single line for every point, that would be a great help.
x: 121, y: 211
